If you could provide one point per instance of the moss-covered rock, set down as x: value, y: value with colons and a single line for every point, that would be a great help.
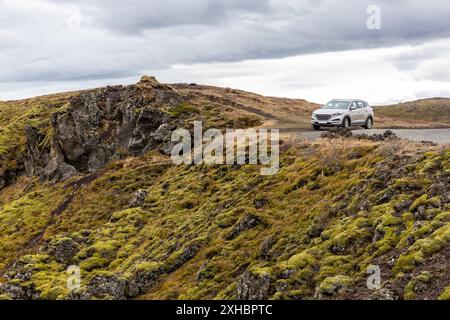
x: 331, y: 286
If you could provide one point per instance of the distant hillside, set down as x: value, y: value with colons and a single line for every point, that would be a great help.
x: 433, y: 112
x: 295, y: 113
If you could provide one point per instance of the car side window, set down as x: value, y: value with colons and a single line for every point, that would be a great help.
x: 354, y: 105
x: 360, y: 105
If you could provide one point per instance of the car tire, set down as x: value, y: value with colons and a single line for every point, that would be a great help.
x: 317, y: 128
x: 369, y: 123
x: 346, y: 123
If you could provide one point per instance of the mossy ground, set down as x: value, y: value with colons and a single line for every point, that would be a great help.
x: 333, y: 209
x: 327, y: 235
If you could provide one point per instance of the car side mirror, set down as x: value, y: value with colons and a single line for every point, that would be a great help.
x: 352, y: 108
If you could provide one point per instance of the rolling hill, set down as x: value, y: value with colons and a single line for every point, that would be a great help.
x: 295, y: 113
x: 425, y: 113
x: 86, y: 183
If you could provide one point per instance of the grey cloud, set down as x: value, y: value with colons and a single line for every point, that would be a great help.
x: 115, y: 39
x: 425, y: 62
x: 134, y: 16
x: 412, y: 59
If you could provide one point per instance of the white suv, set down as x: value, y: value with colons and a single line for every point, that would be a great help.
x: 343, y: 113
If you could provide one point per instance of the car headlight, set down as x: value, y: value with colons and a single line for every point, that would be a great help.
x: 337, y: 114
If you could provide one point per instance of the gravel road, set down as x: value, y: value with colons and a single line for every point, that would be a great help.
x: 441, y: 136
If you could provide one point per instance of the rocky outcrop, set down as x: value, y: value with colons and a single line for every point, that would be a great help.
x: 17, y: 292
x: 138, y: 198
x: 63, y: 249
x: 20, y: 272
x: 387, y: 135
x: 331, y: 286
x: 246, y: 223
x: 335, y: 133
x: 184, y: 255
x: 6, y: 178
x: 107, y: 285
x: 253, y: 286
x: 143, y: 279
x: 100, y: 125
x: 266, y: 245
x: 338, y: 132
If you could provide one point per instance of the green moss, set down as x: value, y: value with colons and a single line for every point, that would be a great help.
x: 424, y: 201
x: 423, y: 248
x: 409, y: 183
x: 149, y: 266
x: 26, y: 218
x: 445, y: 295
x: 16, y: 115
x: 388, y: 220
x: 409, y: 293
x: 331, y: 285
x: 301, y: 260
x: 210, y: 272
x: 421, y: 201
x: 430, y: 165
x: 93, y: 263
x: 435, y: 201
x: 425, y: 277
x: 313, y: 185
x: 183, y: 109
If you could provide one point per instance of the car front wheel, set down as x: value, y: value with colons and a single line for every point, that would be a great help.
x: 316, y: 127
x: 346, y: 123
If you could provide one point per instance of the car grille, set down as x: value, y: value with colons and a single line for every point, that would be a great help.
x: 323, y: 116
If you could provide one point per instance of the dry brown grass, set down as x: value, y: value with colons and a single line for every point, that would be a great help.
x: 295, y: 113
x: 425, y: 113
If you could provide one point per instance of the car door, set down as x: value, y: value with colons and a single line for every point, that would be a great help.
x: 361, y: 111
x: 354, y: 112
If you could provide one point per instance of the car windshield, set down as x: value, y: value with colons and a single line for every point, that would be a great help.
x: 337, y: 104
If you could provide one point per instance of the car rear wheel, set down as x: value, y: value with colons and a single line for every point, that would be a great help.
x: 369, y: 123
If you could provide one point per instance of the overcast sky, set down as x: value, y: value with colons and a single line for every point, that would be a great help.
x: 316, y: 50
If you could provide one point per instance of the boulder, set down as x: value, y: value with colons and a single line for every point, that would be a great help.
x: 63, y: 249
x: 17, y: 292
x: 107, y: 285
x: 332, y: 286
x: 266, y: 245
x: 335, y: 133
x: 138, y: 198
x: 187, y: 253
x: 246, y: 223
x: 143, y: 278
x: 253, y: 285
